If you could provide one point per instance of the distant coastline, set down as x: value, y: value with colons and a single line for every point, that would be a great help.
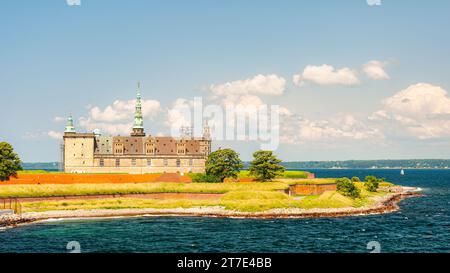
x: 419, y: 164
x: 371, y: 164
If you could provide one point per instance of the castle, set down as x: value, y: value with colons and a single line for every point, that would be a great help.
x: 137, y: 153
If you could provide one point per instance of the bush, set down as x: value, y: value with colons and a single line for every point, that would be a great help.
x: 372, y: 183
x: 204, y: 178
x: 355, y: 179
x: 347, y: 187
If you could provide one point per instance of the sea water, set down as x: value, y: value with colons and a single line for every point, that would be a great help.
x: 421, y: 225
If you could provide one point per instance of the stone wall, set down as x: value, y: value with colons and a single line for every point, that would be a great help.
x: 135, y: 170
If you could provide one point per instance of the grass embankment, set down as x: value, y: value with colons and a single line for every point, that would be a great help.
x: 48, y: 190
x: 138, y: 188
x: 246, y: 197
x: 244, y: 201
x: 239, y: 201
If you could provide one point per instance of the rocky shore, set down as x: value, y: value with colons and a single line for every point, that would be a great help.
x: 13, y: 220
x: 386, y: 204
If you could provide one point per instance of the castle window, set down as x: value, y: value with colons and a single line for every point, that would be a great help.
x: 117, y: 162
x: 165, y: 163
x: 191, y: 162
x: 102, y: 162
x: 149, y: 162
x: 133, y: 161
x: 178, y: 162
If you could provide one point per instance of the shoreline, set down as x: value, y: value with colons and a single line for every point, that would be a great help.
x: 386, y: 204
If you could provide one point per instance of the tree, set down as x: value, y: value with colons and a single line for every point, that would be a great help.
x: 347, y: 187
x: 355, y: 179
x: 265, y: 166
x: 9, y: 162
x: 372, y: 183
x: 223, y: 163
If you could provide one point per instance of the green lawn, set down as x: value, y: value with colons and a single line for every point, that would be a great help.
x: 136, y: 188
x: 286, y: 174
x: 33, y: 172
x: 37, y: 190
x: 245, y: 201
x: 248, y: 197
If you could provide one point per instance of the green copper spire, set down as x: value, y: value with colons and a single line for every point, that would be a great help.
x: 69, y: 126
x: 138, y: 120
x: 138, y: 127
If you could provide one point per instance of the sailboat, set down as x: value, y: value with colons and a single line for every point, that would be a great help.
x: 402, y: 172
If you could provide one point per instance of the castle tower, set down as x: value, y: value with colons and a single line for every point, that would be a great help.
x: 206, y: 131
x: 69, y: 126
x: 138, y: 127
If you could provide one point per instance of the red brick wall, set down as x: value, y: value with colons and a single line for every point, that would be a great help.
x: 318, y: 189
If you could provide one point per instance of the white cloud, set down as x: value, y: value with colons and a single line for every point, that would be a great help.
x: 105, y: 127
x: 58, y: 119
x: 259, y: 84
x: 73, y: 2
x: 55, y: 135
x: 375, y: 70
x: 340, y: 127
x: 117, y: 118
x: 32, y: 135
x: 419, y: 100
x: 327, y: 75
x: 245, y: 100
x: 42, y: 135
x: 180, y: 113
x: 123, y: 110
x: 421, y: 111
x: 298, y: 80
x: 374, y: 2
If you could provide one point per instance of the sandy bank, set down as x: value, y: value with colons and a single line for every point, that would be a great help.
x: 386, y: 204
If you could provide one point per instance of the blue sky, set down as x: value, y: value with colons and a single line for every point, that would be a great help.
x: 372, y: 80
